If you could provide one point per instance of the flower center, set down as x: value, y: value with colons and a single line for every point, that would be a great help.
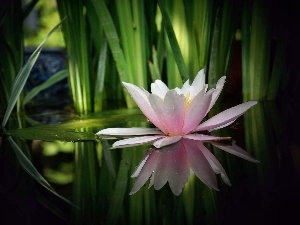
x: 188, y: 100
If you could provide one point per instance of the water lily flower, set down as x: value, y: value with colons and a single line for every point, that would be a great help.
x: 179, y: 137
x: 176, y: 113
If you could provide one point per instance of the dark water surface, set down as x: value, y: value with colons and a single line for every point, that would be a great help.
x: 97, y: 179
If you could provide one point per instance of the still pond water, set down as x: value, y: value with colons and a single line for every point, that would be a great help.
x: 96, y: 179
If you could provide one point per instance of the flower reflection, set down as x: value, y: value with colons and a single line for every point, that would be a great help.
x: 179, y: 134
x: 173, y: 163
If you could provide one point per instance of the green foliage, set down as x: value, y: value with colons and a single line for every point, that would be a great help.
x: 22, y: 77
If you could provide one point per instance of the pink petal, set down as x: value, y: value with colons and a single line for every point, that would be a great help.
x: 162, y: 171
x: 147, y: 169
x: 217, y: 92
x: 157, y: 105
x: 226, y: 117
x: 214, y: 163
x: 196, y: 111
x: 166, y: 141
x: 235, y: 150
x: 169, y: 111
x: 179, y: 170
x: 203, y: 137
x: 133, y: 131
x: 141, y: 99
x: 174, y: 112
x: 199, y: 164
x: 129, y: 142
x: 172, y: 166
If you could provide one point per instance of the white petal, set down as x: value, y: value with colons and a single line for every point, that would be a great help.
x: 159, y: 88
x: 199, y: 80
x: 166, y: 141
x: 133, y: 131
x: 129, y: 142
x: 226, y: 117
x: 138, y: 169
x: 203, y: 137
x: 198, y: 84
x: 185, y: 88
x: 235, y: 150
x: 141, y: 99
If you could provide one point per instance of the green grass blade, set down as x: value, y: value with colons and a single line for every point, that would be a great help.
x: 77, y: 39
x: 99, y: 86
x: 154, y: 67
x: 52, y: 80
x: 22, y: 77
x: 173, y: 42
x: 114, y: 43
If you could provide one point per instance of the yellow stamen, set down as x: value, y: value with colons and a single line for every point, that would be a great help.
x: 188, y: 100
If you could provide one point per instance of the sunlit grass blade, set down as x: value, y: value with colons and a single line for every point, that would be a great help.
x: 132, y: 27
x: 22, y: 77
x: 161, y: 45
x: 99, y: 83
x: 31, y: 170
x: 173, y: 42
x: 76, y: 33
x: 203, y: 22
x: 154, y: 66
x: 113, y: 40
x: 48, y: 83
